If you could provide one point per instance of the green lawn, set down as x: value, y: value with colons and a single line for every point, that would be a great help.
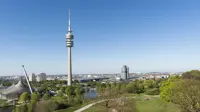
x: 154, y: 104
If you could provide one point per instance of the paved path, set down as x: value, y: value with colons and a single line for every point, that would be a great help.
x: 92, y: 104
x: 88, y: 106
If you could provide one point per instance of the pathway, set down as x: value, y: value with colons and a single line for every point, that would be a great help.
x: 92, y: 104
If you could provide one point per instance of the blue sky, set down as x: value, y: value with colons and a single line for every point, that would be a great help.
x: 146, y: 35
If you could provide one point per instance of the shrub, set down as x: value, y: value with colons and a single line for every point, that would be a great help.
x: 154, y: 91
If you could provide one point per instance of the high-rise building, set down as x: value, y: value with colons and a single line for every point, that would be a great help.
x: 41, y: 77
x: 125, y: 72
x: 32, y: 77
x: 69, y: 42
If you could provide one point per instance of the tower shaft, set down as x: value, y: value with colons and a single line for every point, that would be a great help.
x: 69, y: 82
x: 69, y: 42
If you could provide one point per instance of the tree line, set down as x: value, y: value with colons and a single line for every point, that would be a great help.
x: 184, y: 91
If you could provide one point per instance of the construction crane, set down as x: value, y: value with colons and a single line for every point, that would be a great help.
x: 27, y: 79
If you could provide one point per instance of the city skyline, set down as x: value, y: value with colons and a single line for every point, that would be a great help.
x: 152, y: 36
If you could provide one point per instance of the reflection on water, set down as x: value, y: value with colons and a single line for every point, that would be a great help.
x: 90, y: 94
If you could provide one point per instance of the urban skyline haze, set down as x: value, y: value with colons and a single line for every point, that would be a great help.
x: 147, y: 36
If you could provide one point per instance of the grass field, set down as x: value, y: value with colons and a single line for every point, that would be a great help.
x: 156, y: 105
x: 153, y: 104
x: 73, y: 108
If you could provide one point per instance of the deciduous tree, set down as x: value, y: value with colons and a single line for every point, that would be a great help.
x: 24, y: 97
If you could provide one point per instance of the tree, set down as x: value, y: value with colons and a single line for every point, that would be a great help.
x: 30, y: 107
x: 79, y: 95
x: 193, y: 74
x: 79, y: 91
x: 35, y: 97
x: 69, y: 91
x: 45, y: 97
x: 166, y: 88
x: 186, y: 93
x: 135, y: 87
x: 46, y: 106
x: 154, y: 91
x: 107, y: 94
x: 118, y: 87
x: 124, y: 104
x: 76, y: 81
x: 149, y: 84
x: 21, y: 108
x: 60, y: 93
x: 7, y: 83
x: 24, y: 97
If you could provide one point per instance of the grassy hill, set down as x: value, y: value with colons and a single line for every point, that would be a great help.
x: 142, y: 103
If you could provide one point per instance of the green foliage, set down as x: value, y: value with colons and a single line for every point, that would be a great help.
x: 62, y: 89
x: 60, y: 93
x: 149, y: 84
x: 31, y: 106
x: 154, y: 91
x: 45, y: 97
x: 118, y: 87
x: 193, y: 74
x: 35, y: 97
x: 76, y: 81
x: 24, y: 97
x: 47, y: 106
x: 123, y: 87
x: 79, y: 99
x: 3, y: 103
x: 7, y: 83
x: 166, y: 88
x: 21, y: 108
x: 135, y: 87
x: 69, y: 91
x: 186, y: 93
x: 92, y: 84
x: 79, y: 91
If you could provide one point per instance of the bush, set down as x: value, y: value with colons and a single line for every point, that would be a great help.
x: 35, y: 97
x: 47, y: 106
x: 45, y: 97
x: 154, y: 91
x: 21, y: 108
x: 24, y: 97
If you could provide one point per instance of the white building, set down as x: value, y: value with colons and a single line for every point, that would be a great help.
x: 41, y: 77
x: 89, y: 76
x: 32, y: 77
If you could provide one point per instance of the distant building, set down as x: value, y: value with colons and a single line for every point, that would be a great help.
x: 50, y: 78
x: 125, y: 72
x: 118, y: 78
x: 41, y: 77
x: 32, y: 77
x: 89, y: 76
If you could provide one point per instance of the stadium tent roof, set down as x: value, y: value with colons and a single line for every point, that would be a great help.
x: 16, y: 89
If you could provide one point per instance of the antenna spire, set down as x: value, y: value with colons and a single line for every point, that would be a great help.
x: 69, y: 27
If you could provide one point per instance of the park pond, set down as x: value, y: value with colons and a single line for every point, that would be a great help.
x: 91, y: 94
